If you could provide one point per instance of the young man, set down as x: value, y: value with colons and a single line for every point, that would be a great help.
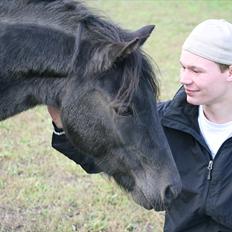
x: 198, y: 126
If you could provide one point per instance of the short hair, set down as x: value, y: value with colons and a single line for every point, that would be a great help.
x: 223, y: 67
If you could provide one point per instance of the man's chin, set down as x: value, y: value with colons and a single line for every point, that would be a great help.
x: 193, y: 101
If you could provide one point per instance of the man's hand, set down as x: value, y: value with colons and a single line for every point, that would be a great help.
x: 55, y: 115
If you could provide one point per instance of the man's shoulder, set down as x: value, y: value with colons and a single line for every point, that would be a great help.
x: 178, y: 99
x: 162, y: 106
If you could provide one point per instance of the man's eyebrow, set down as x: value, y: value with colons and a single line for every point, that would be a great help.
x: 192, y: 67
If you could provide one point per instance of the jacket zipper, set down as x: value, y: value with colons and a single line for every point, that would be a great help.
x: 210, y: 168
x: 211, y: 162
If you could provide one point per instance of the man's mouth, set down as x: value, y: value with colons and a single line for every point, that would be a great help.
x: 191, y: 91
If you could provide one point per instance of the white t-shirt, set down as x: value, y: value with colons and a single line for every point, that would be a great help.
x: 214, y: 134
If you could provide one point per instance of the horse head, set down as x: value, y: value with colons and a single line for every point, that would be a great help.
x: 113, y: 118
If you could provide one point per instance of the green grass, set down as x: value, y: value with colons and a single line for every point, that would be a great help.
x: 41, y: 190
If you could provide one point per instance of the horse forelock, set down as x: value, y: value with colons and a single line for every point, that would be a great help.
x: 136, y: 67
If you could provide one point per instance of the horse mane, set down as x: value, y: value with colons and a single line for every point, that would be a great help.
x: 75, y: 18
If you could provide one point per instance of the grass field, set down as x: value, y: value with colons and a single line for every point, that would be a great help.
x: 41, y: 190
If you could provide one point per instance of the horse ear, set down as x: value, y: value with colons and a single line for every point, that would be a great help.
x: 127, y: 48
x: 104, y: 58
x: 142, y: 33
x: 138, y: 38
x: 107, y: 54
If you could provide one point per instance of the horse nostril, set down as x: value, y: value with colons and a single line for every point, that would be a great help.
x: 169, y: 195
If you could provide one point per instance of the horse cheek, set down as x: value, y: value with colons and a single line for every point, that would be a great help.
x: 87, y: 125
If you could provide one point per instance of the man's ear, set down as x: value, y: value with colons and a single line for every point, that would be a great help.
x: 229, y: 78
x: 230, y: 70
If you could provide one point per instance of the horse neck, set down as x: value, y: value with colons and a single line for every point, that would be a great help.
x: 20, y: 95
x: 49, y: 91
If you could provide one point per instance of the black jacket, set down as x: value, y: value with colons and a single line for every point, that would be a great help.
x: 205, y: 203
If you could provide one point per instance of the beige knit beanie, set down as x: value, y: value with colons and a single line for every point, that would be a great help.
x: 211, y: 39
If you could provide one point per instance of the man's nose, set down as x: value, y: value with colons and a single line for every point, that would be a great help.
x: 186, y: 77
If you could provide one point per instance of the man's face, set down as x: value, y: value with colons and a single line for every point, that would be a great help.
x: 203, y: 81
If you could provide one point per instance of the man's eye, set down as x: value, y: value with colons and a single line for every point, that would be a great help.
x: 123, y: 110
x: 182, y: 67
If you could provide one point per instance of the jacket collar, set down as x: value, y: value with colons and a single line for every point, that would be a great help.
x: 181, y: 115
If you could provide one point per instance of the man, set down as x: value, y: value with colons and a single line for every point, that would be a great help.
x: 198, y: 126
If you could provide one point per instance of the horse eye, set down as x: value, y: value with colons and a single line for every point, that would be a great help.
x: 123, y: 110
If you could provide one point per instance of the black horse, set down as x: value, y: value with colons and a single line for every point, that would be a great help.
x: 58, y: 53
